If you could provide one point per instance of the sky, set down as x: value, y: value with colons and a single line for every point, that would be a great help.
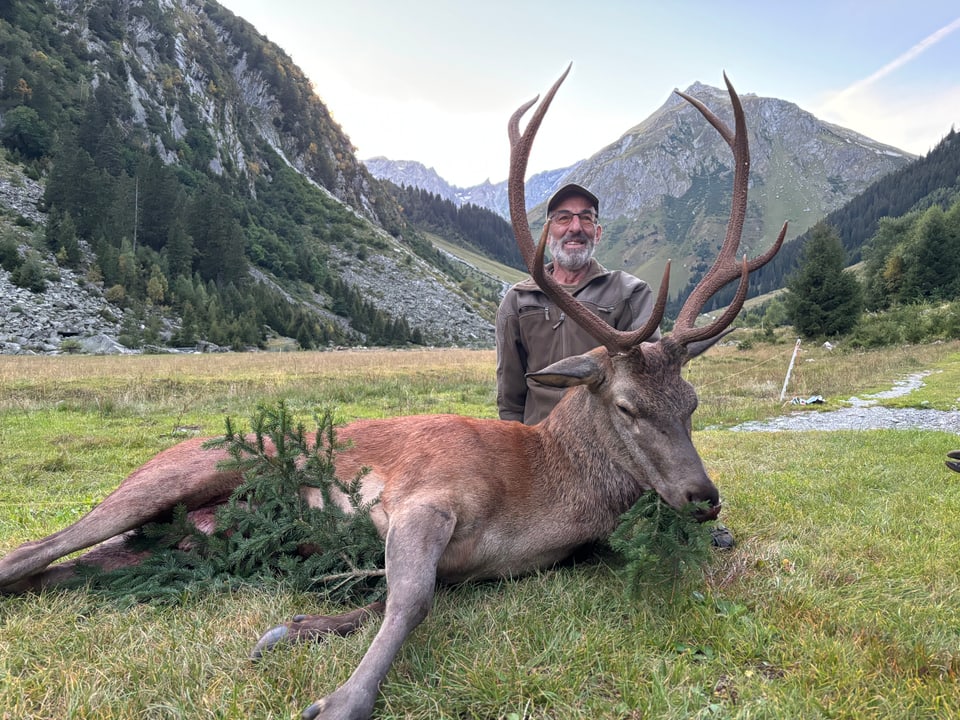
x: 436, y: 80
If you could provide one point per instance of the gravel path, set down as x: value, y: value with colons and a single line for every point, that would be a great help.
x: 865, y: 414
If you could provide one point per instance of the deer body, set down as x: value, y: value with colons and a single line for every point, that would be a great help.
x: 523, y: 497
x: 464, y: 498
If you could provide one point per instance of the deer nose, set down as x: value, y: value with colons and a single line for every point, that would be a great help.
x: 709, y: 496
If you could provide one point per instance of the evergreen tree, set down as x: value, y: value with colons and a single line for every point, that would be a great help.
x: 29, y: 274
x: 930, y: 270
x: 883, y: 262
x: 61, y: 237
x: 24, y: 132
x: 179, y: 249
x: 823, y: 299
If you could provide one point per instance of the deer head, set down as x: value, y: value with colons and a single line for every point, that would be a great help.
x: 638, y: 399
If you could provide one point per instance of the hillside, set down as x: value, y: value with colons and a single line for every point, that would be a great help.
x: 930, y: 181
x: 195, y: 180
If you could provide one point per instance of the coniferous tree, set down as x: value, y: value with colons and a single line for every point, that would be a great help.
x: 930, y: 272
x: 823, y: 299
x: 61, y: 237
x: 883, y: 263
x: 179, y: 249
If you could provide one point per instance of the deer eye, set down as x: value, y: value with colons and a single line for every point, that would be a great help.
x: 627, y: 408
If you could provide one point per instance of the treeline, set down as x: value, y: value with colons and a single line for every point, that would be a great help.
x: 933, y: 180
x: 908, y: 283
x: 914, y: 258
x: 471, y: 225
x: 176, y: 239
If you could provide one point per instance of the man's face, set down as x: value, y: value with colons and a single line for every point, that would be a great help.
x: 572, y: 244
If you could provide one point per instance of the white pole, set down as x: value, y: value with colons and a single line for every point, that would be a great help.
x: 786, y: 380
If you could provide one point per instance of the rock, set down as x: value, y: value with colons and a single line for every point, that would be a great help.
x: 103, y: 345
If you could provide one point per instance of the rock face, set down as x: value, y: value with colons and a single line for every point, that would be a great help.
x: 68, y: 309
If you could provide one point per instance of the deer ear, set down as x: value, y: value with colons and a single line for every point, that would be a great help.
x: 575, y: 370
x: 701, y: 346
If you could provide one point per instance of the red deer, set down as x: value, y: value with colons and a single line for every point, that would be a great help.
x: 952, y: 463
x: 511, y: 498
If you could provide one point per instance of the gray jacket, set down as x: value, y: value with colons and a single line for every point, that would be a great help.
x: 532, y: 333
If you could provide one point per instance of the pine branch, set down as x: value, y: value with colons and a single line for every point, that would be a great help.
x: 265, y: 524
x: 660, y: 545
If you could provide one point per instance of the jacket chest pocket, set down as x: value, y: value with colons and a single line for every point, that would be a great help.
x: 536, y: 312
x: 604, y: 311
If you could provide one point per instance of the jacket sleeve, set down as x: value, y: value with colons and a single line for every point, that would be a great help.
x: 511, y: 363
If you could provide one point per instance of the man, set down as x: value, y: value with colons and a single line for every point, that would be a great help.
x: 532, y: 333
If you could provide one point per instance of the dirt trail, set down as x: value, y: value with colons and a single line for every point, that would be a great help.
x: 865, y: 414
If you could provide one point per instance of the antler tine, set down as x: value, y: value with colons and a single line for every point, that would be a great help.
x: 634, y: 337
x: 733, y: 309
x: 725, y: 268
x: 520, y: 146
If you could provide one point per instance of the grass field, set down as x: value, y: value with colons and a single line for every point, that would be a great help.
x: 839, y: 601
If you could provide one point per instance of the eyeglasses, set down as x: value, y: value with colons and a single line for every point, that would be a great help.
x: 564, y: 217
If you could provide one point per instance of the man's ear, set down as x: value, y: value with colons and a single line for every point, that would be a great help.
x: 574, y: 370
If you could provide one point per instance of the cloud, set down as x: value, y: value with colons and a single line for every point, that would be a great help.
x: 897, y: 63
x: 910, y: 116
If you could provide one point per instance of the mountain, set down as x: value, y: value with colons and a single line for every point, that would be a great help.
x: 933, y: 180
x: 492, y: 196
x: 664, y: 184
x: 193, y: 180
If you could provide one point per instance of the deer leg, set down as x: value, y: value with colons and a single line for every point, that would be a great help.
x: 184, y: 473
x: 416, y: 539
x: 108, y: 555
x: 304, y: 628
x: 32, y: 557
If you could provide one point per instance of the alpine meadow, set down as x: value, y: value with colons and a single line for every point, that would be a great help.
x: 836, y: 601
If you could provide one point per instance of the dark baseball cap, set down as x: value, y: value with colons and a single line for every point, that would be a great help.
x: 572, y: 189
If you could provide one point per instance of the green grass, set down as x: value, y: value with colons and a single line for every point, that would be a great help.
x: 839, y: 600
x: 481, y: 262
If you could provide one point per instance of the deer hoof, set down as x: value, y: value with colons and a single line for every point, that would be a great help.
x: 955, y: 466
x: 269, y: 640
x: 722, y: 538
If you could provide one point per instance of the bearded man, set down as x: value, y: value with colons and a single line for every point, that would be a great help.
x: 532, y: 332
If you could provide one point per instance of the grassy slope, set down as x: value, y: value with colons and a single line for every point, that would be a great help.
x: 839, y: 600
x: 481, y: 262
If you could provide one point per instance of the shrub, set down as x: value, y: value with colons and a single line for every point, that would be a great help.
x: 30, y: 274
x: 10, y: 258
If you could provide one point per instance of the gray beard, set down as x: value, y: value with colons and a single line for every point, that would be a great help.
x: 571, y: 260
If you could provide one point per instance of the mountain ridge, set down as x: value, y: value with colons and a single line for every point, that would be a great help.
x: 664, y: 183
x: 172, y: 103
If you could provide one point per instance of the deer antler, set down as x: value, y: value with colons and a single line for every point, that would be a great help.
x: 616, y: 341
x: 725, y: 268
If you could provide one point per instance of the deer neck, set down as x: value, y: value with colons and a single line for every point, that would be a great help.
x: 581, y: 460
